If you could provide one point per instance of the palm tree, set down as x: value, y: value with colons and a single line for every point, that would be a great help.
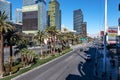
x: 60, y: 39
x: 27, y: 56
x: 11, y: 37
x: 40, y: 37
x: 21, y: 44
x: 4, y: 26
x: 70, y: 37
x: 52, y: 31
x: 78, y: 38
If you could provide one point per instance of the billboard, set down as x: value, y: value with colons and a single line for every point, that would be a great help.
x: 112, y: 34
x: 101, y: 33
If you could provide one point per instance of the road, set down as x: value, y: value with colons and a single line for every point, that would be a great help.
x: 67, y: 67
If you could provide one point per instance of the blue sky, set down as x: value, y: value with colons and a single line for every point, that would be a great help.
x: 93, y: 12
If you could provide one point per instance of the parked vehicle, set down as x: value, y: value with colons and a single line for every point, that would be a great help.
x: 81, y: 49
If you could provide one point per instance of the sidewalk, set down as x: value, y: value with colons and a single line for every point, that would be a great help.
x: 111, y: 71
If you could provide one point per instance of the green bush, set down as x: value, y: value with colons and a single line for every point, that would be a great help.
x: 16, y: 68
x: 17, y: 62
x: 7, y: 68
x: 6, y: 74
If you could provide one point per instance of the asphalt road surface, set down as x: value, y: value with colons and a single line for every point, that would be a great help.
x: 68, y: 67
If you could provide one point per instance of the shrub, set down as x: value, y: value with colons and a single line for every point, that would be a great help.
x: 17, y: 62
x: 7, y: 67
x: 6, y: 74
x: 16, y: 68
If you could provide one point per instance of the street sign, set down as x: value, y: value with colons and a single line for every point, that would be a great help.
x: 83, y: 39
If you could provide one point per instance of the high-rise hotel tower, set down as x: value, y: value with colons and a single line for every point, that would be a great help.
x: 54, y: 14
x: 34, y: 15
x: 78, y: 20
x: 6, y: 6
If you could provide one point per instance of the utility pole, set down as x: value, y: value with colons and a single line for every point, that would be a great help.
x: 105, y: 39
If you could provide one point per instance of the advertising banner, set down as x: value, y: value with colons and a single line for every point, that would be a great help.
x: 112, y: 34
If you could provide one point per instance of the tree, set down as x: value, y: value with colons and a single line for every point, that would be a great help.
x: 4, y: 27
x: 11, y: 37
x: 77, y: 38
x: 70, y: 37
x: 21, y: 44
x: 60, y: 39
x: 40, y: 37
x: 27, y: 56
x: 52, y: 31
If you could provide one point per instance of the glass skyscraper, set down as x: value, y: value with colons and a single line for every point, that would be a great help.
x: 54, y: 14
x: 6, y: 6
x: 78, y: 20
x: 34, y: 15
x: 18, y: 18
x: 28, y: 2
x: 32, y: 2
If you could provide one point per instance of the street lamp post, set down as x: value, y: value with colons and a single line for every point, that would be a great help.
x: 105, y: 39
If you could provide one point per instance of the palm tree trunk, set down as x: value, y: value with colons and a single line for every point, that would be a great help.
x: 54, y: 44
x: 11, y: 51
x: 1, y: 55
x: 11, y: 56
x: 41, y: 49
x: 51, y: 46
x: 22, y: 59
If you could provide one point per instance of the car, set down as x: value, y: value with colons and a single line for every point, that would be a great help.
x: 81, y: 49
x: 88, y: 57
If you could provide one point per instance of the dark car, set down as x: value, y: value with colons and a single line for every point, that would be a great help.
x: 81, y: 49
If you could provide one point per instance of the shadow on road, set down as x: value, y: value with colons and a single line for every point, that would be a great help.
x: 73, y: 77
x: 85, y: 69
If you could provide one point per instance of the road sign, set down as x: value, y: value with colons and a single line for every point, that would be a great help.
x: 83, y: 39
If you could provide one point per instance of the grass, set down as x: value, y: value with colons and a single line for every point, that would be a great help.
x: 39, y: 62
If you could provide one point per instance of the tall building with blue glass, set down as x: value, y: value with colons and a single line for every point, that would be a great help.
x: 78, y: 20
x: 34, y: 15
x: 7, y: 7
